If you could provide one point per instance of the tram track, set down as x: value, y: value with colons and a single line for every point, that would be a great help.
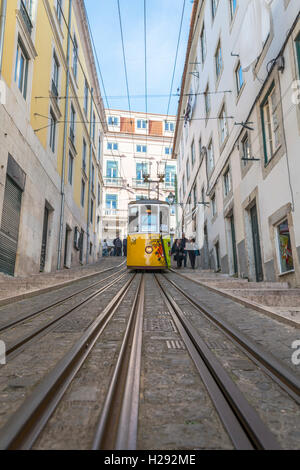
x: 269, y: 364
x: 18, y: 346
x: 25, y: 426
x: 12, y: 323
x: 244, y: 426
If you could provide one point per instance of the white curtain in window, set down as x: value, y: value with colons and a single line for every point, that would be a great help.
x: 254, y: 31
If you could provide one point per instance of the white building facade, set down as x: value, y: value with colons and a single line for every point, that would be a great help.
x: 237, y: 138
x: 134, y: 146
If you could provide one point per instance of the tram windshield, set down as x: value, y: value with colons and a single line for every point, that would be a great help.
x: 133, y: 219
x: 164, y: 219
x: 149, y: 219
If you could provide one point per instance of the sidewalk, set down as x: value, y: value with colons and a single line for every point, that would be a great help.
x: 21, y: 287
x: 275, y: 299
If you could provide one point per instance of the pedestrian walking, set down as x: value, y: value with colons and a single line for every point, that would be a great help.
x: 104, y: 248
x: 125, y: 247
x: 179, y: 253
x: 118, y: 247
x: 193, y: 251
x: 184, y: 241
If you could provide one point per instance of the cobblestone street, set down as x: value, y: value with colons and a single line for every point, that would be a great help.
x: 176, y: 409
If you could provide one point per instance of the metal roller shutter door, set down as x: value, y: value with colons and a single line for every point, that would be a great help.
x: 9, y: 231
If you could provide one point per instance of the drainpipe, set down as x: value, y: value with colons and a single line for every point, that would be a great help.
x: 61, y: 223
x: 2, y: 28
x: 90, y: 180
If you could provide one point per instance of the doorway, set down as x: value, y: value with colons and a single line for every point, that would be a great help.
x: 256, y: 244
x: 44, y: 240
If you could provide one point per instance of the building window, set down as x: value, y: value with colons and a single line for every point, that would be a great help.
x: 213, y: 205
x: 183, y: 184
x: 270, y: 124
x: 99, y: 148
x: 53, y: 122
x: 169, y: 126
x: 99, y: 194
x: 82, y: 192
x: 168, y: 150
x: 71, y: 164
x: 284, y: 247
x: 297, y: 43
x: 223, y: 125
x: 141, y: 170
x: 217, y: 253
x: 141, y: 148
x: 188, y: 169
x: 239, y: 78
x: 203, y: 195
x: 232, y: 8
x: 170, y: 176
x: 94, y: 127
x: 93, y: 178
x: 193, y: 153
x: 55, y: 76
x: 207, y: 101
x: 141, y: 124
x: 59, y: 9
x: 72, y: 125
x: 210, y: 157
x: 218, y: 60
x: 246, y: 149
x: 227, y: 183
x: 84, y: 155
x: 203, y: 44
x: 113, y: 121
x: 111, y: 169
x: 112, y: 146
x: 86, y: 97
x: 111, y: 203
x: 92, y: 210
x: 21, y: 70
x: 75, y: 56
x: 214, y: 6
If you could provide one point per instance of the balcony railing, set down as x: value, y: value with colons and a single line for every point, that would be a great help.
x: 139, y: 183
x: 112, y: 181
x: 169, y: 184
x: 26, y: 17
x: 54, y: 90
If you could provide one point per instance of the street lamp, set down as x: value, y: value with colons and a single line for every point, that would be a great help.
x: 171, y: 199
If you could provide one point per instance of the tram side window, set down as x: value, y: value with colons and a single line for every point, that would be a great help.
x: 133, y: 219
x: 164, y: 219
x: 149, y: 219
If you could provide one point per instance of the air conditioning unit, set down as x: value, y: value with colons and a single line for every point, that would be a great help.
x: 77, y: 239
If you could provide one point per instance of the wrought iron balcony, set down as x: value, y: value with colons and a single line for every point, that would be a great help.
x: 113, y: 181
x: 139, y: 183
x: 26, y: 17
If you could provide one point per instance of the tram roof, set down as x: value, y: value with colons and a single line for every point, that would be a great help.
x: 148, y: 202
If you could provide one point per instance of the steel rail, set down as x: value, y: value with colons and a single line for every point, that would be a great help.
x: 118, y: 422
x: 45, y: 290
x: 275, y: 369
x: 26, y: 424
x: 11, y: 324
x: 242, y: 422
x: 15, y: 348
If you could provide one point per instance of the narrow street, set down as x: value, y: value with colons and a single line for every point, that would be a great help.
x: 98, y: 364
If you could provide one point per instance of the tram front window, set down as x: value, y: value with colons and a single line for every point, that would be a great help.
x: 133, y: 219
x: 164, y: 219
x: 149, y: 219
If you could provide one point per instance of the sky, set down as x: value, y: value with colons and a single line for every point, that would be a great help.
x: 163, y: 18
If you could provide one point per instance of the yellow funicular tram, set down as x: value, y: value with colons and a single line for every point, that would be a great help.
x: 148, y: 243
